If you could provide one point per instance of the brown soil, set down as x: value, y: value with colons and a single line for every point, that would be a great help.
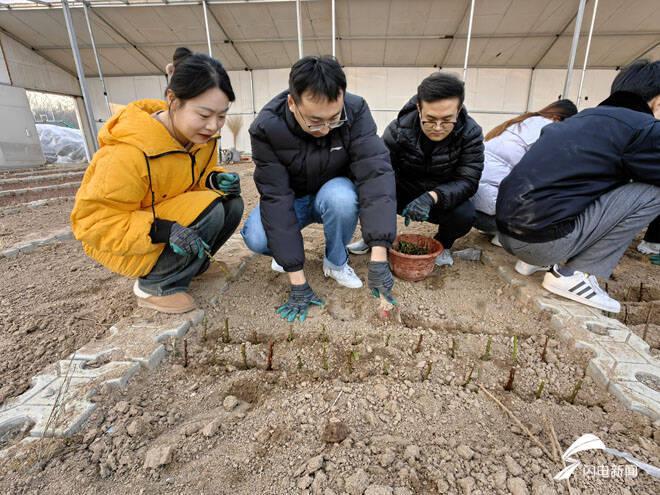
x: 406, y: 394
x: 27, y: 224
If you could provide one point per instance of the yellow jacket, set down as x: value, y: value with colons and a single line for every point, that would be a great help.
x: 138, y: 158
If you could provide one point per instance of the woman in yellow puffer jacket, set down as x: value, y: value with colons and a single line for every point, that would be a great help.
x: 154, y: 204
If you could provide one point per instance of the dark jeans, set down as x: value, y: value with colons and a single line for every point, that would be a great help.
x: 653, y: 232
x: 173, y: 273
x: 485, y: 223
x: 452, y: 224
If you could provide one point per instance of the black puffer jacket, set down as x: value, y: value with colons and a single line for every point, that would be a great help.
x: 576, y: 161
x: 454, y: 168
x: 291, y: 163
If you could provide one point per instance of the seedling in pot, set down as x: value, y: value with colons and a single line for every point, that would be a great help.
x: 489, y: 344
x: 404, y: 247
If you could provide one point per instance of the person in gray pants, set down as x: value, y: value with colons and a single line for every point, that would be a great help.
x: 587, y: 187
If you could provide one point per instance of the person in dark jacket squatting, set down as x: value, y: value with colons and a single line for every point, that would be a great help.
x: 318, y: 160
x: 587, y: 187
x: 437, y: 153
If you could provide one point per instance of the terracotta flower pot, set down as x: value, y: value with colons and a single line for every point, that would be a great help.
x: 414, y: 267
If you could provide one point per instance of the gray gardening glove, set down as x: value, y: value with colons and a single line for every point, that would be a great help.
x: 187, y: 242
x: 380, y: 280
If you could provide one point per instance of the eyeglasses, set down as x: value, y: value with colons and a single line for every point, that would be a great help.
x: 319, y: 127
x: 431, y: 125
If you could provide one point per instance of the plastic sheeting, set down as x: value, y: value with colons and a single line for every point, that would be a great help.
x: 61, y: 144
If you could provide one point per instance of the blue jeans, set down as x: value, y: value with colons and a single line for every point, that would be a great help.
x: 335, y: 205
x: 173, y: 273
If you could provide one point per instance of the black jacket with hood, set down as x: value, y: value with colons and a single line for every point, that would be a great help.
x: 291, y: 163
x: 576, y: 161
x: 452, y: 169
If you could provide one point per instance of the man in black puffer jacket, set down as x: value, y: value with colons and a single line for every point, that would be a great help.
x: 437, y: 153
x: 319, y: 160
x: 586, y: 188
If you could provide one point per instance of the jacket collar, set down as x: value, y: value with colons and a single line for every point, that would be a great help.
x: 625, y: 99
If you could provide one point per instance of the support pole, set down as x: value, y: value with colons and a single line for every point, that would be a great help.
x: 334, y: 29
x: 254, y: 104
x: 469, y: 38
x: 574, y: 45
x: 299, y: 25
x: 81, y: 77
x: 206, y: 26
x: 586, y: 54
x: 98, y: 60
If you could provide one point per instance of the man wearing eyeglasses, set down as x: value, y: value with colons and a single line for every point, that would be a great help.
x: 437, y: 153
x: 319, y: 160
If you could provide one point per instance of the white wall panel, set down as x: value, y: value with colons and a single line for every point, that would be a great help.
x: 19, y: 141
x: 31, y: 71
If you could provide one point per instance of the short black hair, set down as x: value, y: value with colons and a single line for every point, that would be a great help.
x: 322, y: 76
x: 641, y: 77
x: 441, y: 85
x: 195, y: 73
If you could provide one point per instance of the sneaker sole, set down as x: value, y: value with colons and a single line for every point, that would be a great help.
x: 574, y: 297
x: 527, y: 273
x: 170, y: 311
x: 362, y: 251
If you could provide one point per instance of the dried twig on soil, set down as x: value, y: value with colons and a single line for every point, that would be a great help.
x: 418, y: 347
x: 300, y: 362
x: 386, y: 368
x: 324, y: 335
x: 517, y: 421
x: 185, y: 353
x: 556, y: 445
x: 269, y: 360
x: 509, y: 384
x: 387, y: 340
x: 290, y: 336
x: 641, y: 290
x: 489, y: 344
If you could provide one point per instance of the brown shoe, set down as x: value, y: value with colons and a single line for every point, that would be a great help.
x: 180, y: 302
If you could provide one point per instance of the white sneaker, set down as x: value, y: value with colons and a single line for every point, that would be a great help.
x: 580, y: 287
x: 495, y: 241
x: 444, y: 258
x: 276, y: 267
x: 526, y: 269
x: 358, y: 247
x: 649, y: 247
x: 344, y: 276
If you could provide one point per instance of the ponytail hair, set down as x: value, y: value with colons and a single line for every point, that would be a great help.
x: 559, y: 110
x: 191, y: 74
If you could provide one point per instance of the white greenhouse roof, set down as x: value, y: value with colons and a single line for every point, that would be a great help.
x: 138, y: 37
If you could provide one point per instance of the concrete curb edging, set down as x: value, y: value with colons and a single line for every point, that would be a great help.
x: 29, y: 246
x: 619, y: 355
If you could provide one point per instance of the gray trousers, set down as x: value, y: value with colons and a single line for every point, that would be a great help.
x: 602, y: 232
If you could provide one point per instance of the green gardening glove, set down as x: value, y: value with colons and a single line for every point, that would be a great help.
x: 187, y: 242
x: 655, y: 259
x: 227, y: 182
